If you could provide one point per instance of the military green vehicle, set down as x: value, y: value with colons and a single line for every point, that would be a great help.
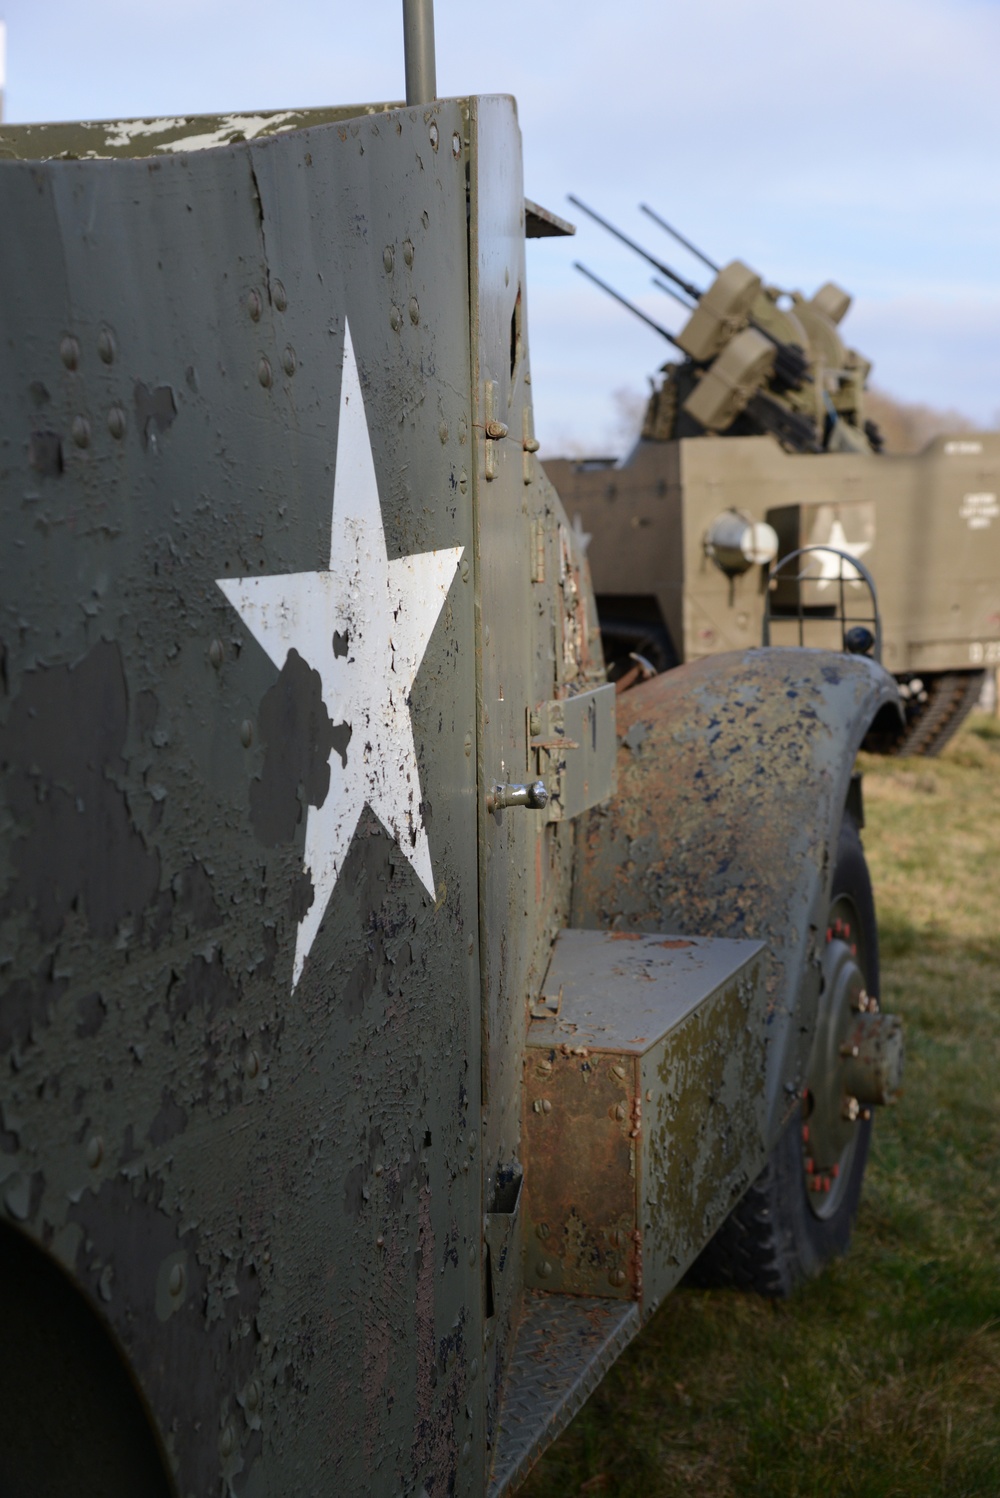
x: 756, y: 445
x: 393, y: 1011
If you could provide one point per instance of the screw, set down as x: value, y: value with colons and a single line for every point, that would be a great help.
x: 543, y: 1269
x: 616, y: 1277
x: 495, y: 430
x: 542, y: 1231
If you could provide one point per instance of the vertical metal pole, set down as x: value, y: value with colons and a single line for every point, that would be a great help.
x: 418, y: 48
x: 3, y: 65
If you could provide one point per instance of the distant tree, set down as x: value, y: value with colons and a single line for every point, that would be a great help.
x: 908, y: 426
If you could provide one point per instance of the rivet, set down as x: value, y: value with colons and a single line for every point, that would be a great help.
x: 486, y: 634
x: 443, y: 433
x: 81, y: 431
x: 380, y: 1241
x: 472, y: 947
x: 616, y: 1277
x: 175, y: 1283
x: 227, y: 1441
x: 546, y: 1105
x: 388, y: 259
x: 473, y: 1141
x: 252, y: 1396
x: 617, y: 1111
x: 474, y: 1368
x: 543, y: 1269
x: 246, y: 733
x: 456, y: 145
x: 465, y: 569
x: 264, y: 372
x: 472, y: 1253
x: 395, y: 318
x: 69, y: 351
x: 851, y: 1108
x: 254, y: 305
x: 289, y: 363
x: 544, y: 1067
x: 466, y: 1449
x: 433, y: 132
x: 463, y: 478
x: 106, y: 345
x: 408, y: 251
x: 116, y: 422
x: 379, y: 1169
x: 95, y: 1151
x: 279, y: 296
x: 468, y: 755
x: 216, y: 653
x: 253, y: 1064
x: 414, y: 311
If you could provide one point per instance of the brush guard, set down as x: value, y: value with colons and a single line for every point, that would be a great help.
x: 860, y: 632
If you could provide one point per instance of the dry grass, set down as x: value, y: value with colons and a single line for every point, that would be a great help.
x: 881, y: 1379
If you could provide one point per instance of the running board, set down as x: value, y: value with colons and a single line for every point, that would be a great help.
x: 563, y: 1347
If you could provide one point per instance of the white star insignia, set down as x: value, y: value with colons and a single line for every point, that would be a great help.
x: 826, y: 568
x: 383, y: 613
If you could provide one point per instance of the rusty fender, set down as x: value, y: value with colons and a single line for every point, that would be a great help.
x: 733, y: 774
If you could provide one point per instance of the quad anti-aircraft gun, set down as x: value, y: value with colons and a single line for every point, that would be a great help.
x: 758, y: 503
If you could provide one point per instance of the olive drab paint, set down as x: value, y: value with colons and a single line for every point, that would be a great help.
x: 313, y: 785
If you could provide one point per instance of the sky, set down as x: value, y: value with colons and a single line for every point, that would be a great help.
x: 856, y: 142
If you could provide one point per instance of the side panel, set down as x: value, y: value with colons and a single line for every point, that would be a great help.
x: 239, y: 1024
x: 733, y: 774
x: 927, y: 526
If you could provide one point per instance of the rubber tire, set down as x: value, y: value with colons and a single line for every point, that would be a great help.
x: 772, y: 1241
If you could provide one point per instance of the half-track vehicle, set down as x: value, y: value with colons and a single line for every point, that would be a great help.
x: 755, y: 445
x: 392, y: 1010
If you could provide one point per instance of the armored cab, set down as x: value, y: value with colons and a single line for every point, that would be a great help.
x: 392, y: 1012
x: 755, y: 446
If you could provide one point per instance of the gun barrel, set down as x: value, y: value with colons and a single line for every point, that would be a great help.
x: 626, y: 303
x: 662, y: 286
x: 664, y: 270
x: 698, y: 254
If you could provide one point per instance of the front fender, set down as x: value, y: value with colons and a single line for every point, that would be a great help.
x: 733, y: 775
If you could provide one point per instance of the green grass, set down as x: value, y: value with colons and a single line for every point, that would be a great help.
x: 882, y: 1378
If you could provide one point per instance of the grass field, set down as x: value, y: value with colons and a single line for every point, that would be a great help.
x: 882, y: 1378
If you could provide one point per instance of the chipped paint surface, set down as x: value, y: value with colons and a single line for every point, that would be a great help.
x: 260, y: 1198
x: 728, y: 802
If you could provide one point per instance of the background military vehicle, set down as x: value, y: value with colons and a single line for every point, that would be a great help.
x: 373, y: 1064
x: 756, y: 444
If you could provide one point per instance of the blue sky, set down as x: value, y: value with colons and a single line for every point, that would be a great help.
x: 858, y: 142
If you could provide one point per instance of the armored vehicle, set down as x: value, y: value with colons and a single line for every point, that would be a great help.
x: 392, y: 1011
x: 756, y: 445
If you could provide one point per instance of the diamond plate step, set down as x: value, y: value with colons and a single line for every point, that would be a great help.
x: 564, y: 1346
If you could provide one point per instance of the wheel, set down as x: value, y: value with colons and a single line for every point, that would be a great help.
x: 799, y: 1212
